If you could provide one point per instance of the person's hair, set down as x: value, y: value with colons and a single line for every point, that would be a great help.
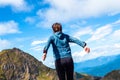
x: 57, y: 27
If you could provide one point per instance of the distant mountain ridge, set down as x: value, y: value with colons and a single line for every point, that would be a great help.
x: 99, y: 66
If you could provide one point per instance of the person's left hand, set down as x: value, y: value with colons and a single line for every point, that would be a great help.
x: 87, y: 49
x: 44, y: 56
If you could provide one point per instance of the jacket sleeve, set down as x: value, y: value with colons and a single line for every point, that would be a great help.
x: 47, y: 45
x: 77, y: 41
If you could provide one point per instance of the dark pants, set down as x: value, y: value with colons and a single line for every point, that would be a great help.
x: 65, y: 68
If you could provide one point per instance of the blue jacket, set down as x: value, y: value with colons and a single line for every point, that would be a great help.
x: 60, y: 44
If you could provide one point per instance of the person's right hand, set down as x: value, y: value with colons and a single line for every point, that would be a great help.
x: 87, y: 49
x: 44, y: 56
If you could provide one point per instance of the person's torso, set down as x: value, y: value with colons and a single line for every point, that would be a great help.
x: 61, y: 48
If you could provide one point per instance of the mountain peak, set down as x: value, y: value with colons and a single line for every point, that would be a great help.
x: 16, y: 64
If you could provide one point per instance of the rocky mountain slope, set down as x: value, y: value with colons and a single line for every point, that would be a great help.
x: 18, y: 65
x: 114, y: 75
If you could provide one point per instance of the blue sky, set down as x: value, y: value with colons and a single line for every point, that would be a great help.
x: 26, y: 24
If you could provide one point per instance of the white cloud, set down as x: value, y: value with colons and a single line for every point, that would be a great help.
x: 4, y: 44
x: 17, y: 5
x: 8, y: 27
x: 37, y: 48
x: 69, y: 10
x: 101, y: 32
x: 116, y: 35
x: 37, y: 42
x: 117, y: 22
x: 84, y: 31
x: 37, y: 45
x: 117, y: 45
x: 79, y: 56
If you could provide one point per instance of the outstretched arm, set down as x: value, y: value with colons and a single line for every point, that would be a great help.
x: 77, y: 41
x: 46, y: 49
x: 81, y: 43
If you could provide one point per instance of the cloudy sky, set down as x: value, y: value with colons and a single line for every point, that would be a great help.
x: 26, y: 24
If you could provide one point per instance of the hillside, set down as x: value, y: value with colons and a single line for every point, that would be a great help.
x: 114, y: 75
x: 18, y: 65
